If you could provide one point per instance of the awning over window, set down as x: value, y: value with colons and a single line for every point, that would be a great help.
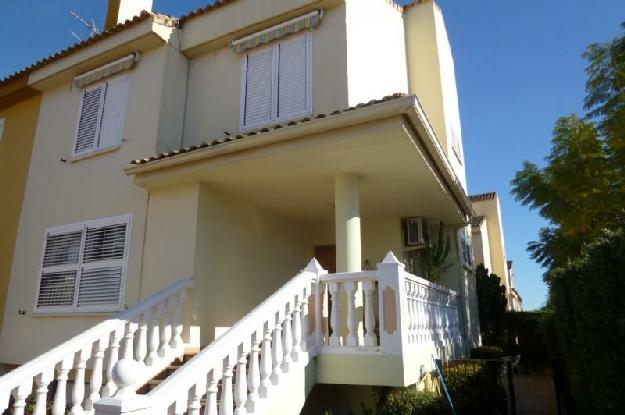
x: 307, y: 21
x: 107, y: 70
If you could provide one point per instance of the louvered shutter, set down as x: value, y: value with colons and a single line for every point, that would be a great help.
x: 89, y: 120
x: 258, y: 88
x: 102, y: 268
x: 60, y: 268
x: 293, y: 78
x: 113, y: 112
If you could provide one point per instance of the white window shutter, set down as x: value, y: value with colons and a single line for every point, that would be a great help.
x: 60, y: 268
x: 89, y: 120
x: 293, y: 77
x: 258, y: 85
x: 113, y: 113
x: 103, y: 260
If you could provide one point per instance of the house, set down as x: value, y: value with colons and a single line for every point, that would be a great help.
x: 488, y: 244
x: 262, y: 134
x: 19, y: 109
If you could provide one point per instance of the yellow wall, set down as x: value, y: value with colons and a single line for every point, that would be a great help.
x: 61, y: 191
x: 16, y: 145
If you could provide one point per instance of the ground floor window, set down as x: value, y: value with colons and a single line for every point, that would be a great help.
x: 83, y: 266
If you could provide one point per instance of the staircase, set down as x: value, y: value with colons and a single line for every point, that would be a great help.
x: 309, y: 331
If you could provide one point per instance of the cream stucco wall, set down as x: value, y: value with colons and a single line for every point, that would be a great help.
x: 376, y: 56
x: 431, y: 75
x: 61, y: 191
x: 492, y: 212
x: 214, y: 88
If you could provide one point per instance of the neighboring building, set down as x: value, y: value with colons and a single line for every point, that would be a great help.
x: 263, y: 133
x: 488, y: 244
x: 19, y: 110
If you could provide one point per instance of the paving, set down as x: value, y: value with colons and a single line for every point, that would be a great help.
x: 535, y: 394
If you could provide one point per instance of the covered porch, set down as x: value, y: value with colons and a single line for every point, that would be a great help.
x: 244, y: 215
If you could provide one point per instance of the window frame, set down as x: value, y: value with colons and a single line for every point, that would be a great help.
x: 97, y: 149
x: 74, y: 309
x: 464, y: 237
x: 3, y: 122
x: 275, y: 47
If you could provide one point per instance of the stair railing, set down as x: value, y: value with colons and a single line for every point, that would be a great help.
x: 150, y: 332
x: 247, y: 362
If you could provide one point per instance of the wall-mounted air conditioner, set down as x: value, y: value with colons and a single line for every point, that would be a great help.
x: 414, y: 231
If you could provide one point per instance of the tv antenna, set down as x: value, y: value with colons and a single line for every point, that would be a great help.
x: 93, y: 28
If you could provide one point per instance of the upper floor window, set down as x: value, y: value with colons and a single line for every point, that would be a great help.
x: 83, y: 266
x: 101, y: 116
x: 2, y: 121
x: 276, y: 84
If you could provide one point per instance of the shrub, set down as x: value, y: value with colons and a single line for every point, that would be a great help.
x: 409, y: 401
x: 589, y: 320
x: 487, y: 352
x: 475, y: 388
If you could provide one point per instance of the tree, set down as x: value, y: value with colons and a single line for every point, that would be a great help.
x: 582, y: 187
x: 491, y: 299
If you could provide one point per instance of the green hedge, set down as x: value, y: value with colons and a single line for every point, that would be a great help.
x: 525, y: 335
x: 486, y: 352
x: 589, y: 320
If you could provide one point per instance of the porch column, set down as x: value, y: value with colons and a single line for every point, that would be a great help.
x: 347, y: 223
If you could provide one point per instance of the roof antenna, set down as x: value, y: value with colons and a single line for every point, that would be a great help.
x: 93, y: 28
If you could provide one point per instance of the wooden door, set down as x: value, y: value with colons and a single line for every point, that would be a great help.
x: 326, y: 255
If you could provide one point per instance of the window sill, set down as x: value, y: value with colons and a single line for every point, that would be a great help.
x: 94, y: 153
x: 69, y: 313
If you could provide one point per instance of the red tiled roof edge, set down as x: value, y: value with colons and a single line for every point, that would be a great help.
x: 80, y: 45
x: 483, y: 196
x: 228, y: 138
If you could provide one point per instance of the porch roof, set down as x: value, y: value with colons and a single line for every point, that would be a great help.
x: 399, y: 106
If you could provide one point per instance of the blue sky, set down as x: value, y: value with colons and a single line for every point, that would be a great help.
x: 518, y: 68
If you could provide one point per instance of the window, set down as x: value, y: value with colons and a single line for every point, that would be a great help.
x: 466, y: 251
x: 2, y: 121
x: 101, y: 116
x: 276, y: 82
x: 83, y: 266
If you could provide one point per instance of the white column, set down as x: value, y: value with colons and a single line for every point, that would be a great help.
x: 347, y: 223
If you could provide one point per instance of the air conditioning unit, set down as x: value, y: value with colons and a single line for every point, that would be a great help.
x: 414, y: 231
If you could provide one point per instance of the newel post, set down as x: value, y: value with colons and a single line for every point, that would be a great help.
x: 126, y: 374
x: 312, y: 324
x: 393, y: 305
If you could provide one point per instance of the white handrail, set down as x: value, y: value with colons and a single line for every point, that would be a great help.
x: 21, y: 379
x: 227, y: 344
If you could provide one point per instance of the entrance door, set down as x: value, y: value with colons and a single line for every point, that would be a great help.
x: 326, y: 255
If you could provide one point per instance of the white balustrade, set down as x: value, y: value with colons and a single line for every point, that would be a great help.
x: 88, y: 350
x: 264, y: 346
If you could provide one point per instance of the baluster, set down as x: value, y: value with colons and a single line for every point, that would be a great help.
x: 195, y: 404
x: 412, y: 312
x: 370, y: 339
x: 181, y: 405
x: 266, y: 364
x: 305, y: 317
x: 129, y: 349
x: 352, y: 322
x: 176, y: 342
x: 78, y: 393
x: 287, y: 341
x: 153, y: 342
x: 240, y: 396
x: 141, y: 345
x: 166, y: 328
x: 110, y: 387
x: 63, y: 368
x: 41, y: 401
x: 211, y: 393
x: 20, y: 395
x: 226, y: 403
x: 253, y: 377
x: 277, y: 352
x: 96, y: 374
x: 297, y: 331
x: 421, y: 313
x: 335, y: 311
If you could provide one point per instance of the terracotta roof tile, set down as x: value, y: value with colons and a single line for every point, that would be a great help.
x: 477, y: 220
x: 85, y: 43
x: 483, y: 196
x: 264, y: 130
